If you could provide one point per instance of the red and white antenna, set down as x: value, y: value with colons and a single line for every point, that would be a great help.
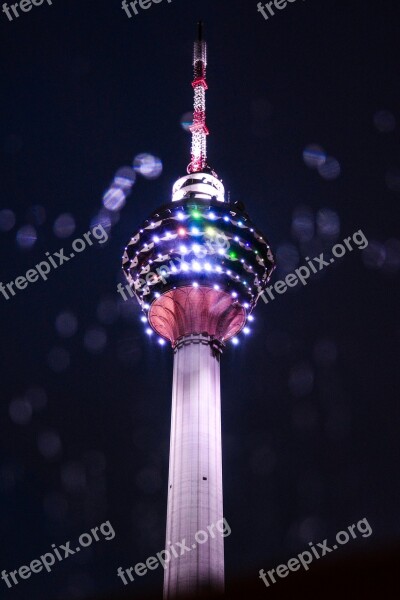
x: 199, y: 128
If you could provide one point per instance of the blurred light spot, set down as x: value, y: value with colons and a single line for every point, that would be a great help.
x: 73, y: 477
x: 37, y: 398
x: 314, y: 156
x: 55, y: 506
x: 328, y: 223
x: 393, y: 179
x: 149, y: 480
x: 64, y: 226
x: 36, y: 215
x: 301, y: 380
x: 125, y: 178
x: 325, y: 353
x: 49, y: 444
x: 385, y: 121
x: 105, y: 218
x: 114, y: 198
x: 374, y: 255
x: 303, y: 224
x: 20, y: 411
x: 187, y: 121
x: 66, y: 324
x: 287, y: 258
x: 148, y: 166
x: 26, y: 237
x: 58, y: 359
x: 392, y: 260
x: 107, y: 311
x: 330, y: 169
x: 7, y: 219
x: 95, y: 340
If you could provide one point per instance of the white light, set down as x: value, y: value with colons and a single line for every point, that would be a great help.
x: 146, y: 306
x: 235, y: 341
x: 156, y: 239
x: 183, y: 249
x: 246, y: 330
x: 195, y: 230
x: 181, y: 216
x: 195, y: 248
x: 161, y: 342
x: 196, y: 266
x: 211, y: 216
x: 250, y: 318
x: 157, y: 295
x: 229, y: 272
x: 236, y: 239
x: 195, y: 284
x: 234, y: 295
x: 221, y: 251
x: 246, y: 305
x: 218, y: 269
x: 149, y: 331
x: 185, y: 267
x: 208, y: 267
x: 143, y: 319
x: 226, y: 218
x: 174, y: 269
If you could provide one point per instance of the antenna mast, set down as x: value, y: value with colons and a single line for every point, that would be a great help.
x: 199, y: 128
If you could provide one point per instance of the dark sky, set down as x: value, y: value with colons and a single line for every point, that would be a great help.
x: 310, y: 400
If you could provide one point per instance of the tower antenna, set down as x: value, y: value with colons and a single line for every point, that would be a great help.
x: 199, y: 128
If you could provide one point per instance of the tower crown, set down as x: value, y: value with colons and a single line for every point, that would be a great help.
x: 198, y: 264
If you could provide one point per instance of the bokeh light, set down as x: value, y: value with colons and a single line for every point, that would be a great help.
x: 314, y: 156
x: 66, y: 324
x: 125, y: 178
x: 26, y: 237
x: 385, y: 121
x: 114, y: 198
x: 7, y: 220
x: 64, y: 226
x: 187, y: 121
x: 20, y: 411
x: 149, y: 166
x: 328, y: 224
x: 330, y: 169
x: 303, y: 225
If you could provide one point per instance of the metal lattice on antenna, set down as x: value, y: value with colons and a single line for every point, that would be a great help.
x: 199, y: 128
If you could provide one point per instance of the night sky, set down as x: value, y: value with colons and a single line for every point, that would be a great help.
x: 304, y: 114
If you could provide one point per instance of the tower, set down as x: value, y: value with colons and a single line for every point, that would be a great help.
x: 197, y: 267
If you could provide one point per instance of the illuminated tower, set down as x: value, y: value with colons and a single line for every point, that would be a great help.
x: 197, y: 267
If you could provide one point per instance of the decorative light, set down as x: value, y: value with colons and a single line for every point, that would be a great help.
x: 211, y: 216
x: 181, y: 231
x: 246, y: 330
x: 229, y: 272
x: 195, y: 230
x: 226, y: 218
x: 208, y: 267
x: 235, y: 341
x: 196, y: 214
x: 157, y: 294
x: 216, y: 287
x: 149, y: 331
x: 146, y: 306
x: 234, y: 295
x: 196, y: 266
x: 195, y: 248
x: 181, y: 216
x: 161, y: 341
x: 236, y: 238
x: 185, y: 267
x: 143, y: 319
x: 183, y: 249
x: 250, y: 318
x: 156, y: 239
x: 218, y: 269
x: 221, y: 251
x: 195, y: 284
x: 246, y: 305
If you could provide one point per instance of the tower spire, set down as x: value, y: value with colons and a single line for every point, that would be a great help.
x: 199, y: 128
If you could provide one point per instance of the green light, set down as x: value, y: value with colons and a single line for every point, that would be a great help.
x: 196, y: 214
x: 233, y: 254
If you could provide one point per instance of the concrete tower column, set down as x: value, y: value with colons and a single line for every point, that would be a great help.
x: 195, y: 469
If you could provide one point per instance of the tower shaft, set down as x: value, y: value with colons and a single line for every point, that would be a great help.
x: 199, y: 128
x: 195, y: 470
